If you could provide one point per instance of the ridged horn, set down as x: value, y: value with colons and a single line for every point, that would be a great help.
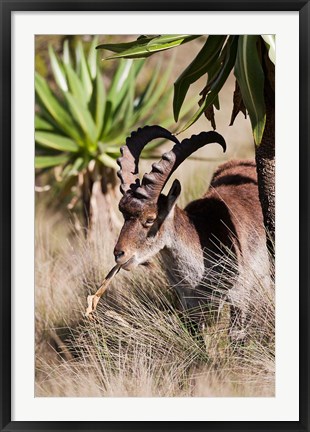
x: 129, y: 161
x: 154, y: 182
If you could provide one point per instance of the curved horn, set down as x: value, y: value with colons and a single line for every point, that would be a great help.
x: 129, y: 161
x: 154, y: 182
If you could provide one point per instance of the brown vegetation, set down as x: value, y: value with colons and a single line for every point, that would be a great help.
x: 139, y: 344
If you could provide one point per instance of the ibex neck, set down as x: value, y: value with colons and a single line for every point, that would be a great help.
x: 183, y: 255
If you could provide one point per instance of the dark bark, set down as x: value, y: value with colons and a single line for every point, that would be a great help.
x: 265, y: 157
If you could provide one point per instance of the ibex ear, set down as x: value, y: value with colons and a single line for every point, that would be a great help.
x: 173, y: 195
x: 167, y: 204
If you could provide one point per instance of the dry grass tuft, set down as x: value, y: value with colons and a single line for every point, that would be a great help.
x: 139, y: 343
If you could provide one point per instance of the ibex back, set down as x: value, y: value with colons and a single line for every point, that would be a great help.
x: 193, y: 242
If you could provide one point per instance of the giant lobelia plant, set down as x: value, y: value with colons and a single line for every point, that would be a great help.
x: 252, y: 58
x: 80, y: 124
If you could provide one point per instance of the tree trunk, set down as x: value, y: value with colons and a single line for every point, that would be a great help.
x: 99, y: 190
x: 265, y: 157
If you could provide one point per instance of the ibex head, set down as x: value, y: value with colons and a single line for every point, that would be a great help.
x: 147, y: 212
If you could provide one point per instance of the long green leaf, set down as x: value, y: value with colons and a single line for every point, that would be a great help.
x: 198, y: 67
x: 97, y: 103
x: 217, y: 84
x: 76, y: 167
x: 66, y: 53
x: 107, y: 120
x: 117, y: 94
x: 118, y: 81
x: 123, y: 81
x: 124, y: 112
x: 50, y: 161
x: 270, y: 41
x: 164, y: 42
x: 250, y: 77
x: 157, y: 44
x: 83, y: 117
x: 42, y: 124
x: 129, y: 102
x: 113, y: 100
x: 149, y: 88
x: 57, y: 69
x: 167, y: 39
x: 53, y: 107
x: 160, y: 89
x: 75, y: 85
x: 57, y: 142
x: 124, y: 46
x: 160, y: 104
x: 92, y: 58
x: 85, y: 73
x: 107, y: 161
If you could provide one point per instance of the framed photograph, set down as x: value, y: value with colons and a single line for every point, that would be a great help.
x: 154, y: 202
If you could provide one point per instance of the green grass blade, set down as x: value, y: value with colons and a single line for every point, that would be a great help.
x: 56, y: 142
x: 201, y: 64
x: 50, y: 161
x: 250, y: 77
x: 58, y: 71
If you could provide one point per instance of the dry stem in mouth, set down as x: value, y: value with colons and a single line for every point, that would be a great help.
x: 92, y: 300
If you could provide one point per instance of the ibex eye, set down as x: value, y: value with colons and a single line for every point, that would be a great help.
x: 149, y: 222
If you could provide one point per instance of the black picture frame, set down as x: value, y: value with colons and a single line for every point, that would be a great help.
x: 9, y: 6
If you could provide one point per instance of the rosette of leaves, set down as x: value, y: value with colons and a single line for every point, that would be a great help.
x: 80, y: 124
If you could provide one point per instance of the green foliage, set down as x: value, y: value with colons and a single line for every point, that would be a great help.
x: 145, y: 46
x: 79, y: 120
x: 270, y: 41
x: 202, y: 64
x: 216, y: 81
x: 250, y: 76
x: 217, y: 58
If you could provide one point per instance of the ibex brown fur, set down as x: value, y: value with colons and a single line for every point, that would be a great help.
x: 194, y: 243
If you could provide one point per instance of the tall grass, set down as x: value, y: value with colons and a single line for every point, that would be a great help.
x: 140, y: 343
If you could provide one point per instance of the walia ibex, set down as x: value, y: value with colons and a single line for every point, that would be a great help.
x: 194, y: 243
